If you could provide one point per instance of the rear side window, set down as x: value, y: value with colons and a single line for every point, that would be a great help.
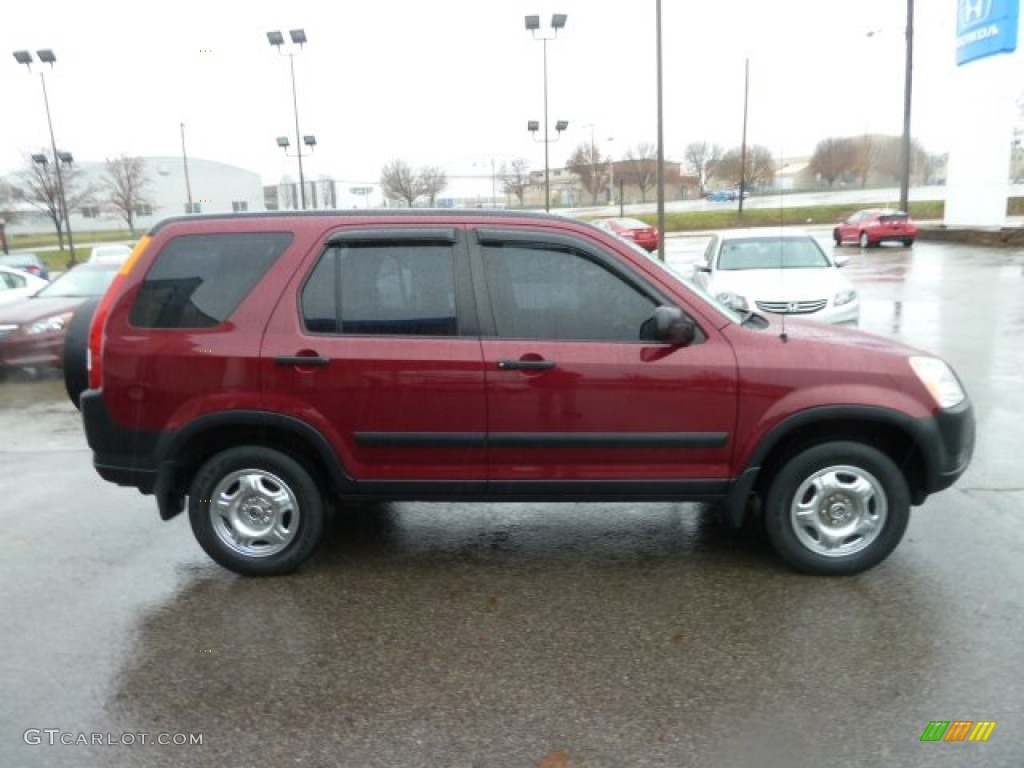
x: 197, y: 281
x: 383, y: 288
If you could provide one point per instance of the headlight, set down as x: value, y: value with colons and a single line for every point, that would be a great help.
x: 49, y: 325
x: 733, y: 300
x: 844, y: 297
x: 940, y: 381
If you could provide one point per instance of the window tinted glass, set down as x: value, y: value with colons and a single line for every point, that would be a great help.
x: 402, y: 288
x: 197, y: 281
x: 553, y: 293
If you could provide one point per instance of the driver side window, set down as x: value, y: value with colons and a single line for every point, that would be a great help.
x: 553, y: 292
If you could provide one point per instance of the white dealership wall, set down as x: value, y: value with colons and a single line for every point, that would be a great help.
x: 983, y: 107
x: 216, y: 188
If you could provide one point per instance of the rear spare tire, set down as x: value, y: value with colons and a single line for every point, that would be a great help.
x: 76, y: 351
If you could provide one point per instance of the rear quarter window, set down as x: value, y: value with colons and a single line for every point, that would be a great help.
x: 197, y: 281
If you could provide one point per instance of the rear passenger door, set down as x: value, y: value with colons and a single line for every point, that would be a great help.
x: 378, y: 347
x: 581, y: 400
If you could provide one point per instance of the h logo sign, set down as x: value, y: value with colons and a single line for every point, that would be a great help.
x: 974, y: 12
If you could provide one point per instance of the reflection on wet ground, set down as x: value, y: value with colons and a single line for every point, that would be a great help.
x: 501, y: 635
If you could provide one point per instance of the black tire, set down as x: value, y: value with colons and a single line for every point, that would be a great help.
x: 861, y: 502
x: 864, y: 240
x: 270, y: 492
x: 908, y: 243
x: 837, y: 237
x: 76, y: 351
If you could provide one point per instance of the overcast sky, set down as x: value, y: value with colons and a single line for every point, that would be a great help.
x: 453, y: 82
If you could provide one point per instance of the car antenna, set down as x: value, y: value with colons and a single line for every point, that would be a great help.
x: 783, y: 336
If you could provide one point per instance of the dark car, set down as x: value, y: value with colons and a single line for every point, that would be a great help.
x: 32, y: 329
x: 267, y: 371
x: 639, y: 232
x: 26, y: 262
x: 875, y: 226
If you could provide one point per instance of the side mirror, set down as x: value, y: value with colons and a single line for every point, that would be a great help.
x: 671, y: 325
x: 702, y: 268
x: 842, y: 261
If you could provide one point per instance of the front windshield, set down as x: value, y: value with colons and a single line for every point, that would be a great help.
x: 79, y: 282
x: 771, y: 253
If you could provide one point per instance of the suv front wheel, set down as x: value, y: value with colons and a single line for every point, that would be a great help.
x: 256, y: 511
x: 837, y: 508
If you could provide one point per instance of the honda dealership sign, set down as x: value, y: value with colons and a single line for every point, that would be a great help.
x: 985, y: 27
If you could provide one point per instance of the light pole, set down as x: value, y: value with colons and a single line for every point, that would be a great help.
x: 743, y: 143
x: 47, y: 57
x: 533, y: 26
x: 661, y: 133
x: 908, y: 82
x: 188, y: 184
x: 532, y: 126
x: 908, y: 88
x: 298, y: 37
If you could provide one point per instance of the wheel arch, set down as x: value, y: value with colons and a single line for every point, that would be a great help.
x: 897, y: 436
x: 186, y: 451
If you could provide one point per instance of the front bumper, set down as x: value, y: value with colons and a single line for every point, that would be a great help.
x: 19, y: 349
x: 949, y: 439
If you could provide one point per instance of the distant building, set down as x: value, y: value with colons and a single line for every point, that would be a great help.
x: 215, y: 188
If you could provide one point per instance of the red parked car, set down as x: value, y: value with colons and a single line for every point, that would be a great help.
x: 640, y: 233
x: 32, y: 329
x: 875, y: 226
x: 265, y: 370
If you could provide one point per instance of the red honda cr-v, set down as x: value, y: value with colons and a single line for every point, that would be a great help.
x: 263, y: 370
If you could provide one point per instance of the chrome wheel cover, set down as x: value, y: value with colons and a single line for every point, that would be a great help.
x: 254, y: 513
x: 839, y: 511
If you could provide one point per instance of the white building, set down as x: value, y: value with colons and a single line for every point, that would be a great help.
x: 215, y: 188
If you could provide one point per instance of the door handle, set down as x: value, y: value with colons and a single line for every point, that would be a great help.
x: 525, y: 365
x: 302, y: 360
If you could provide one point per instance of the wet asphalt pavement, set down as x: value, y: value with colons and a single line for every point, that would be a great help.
x: 529, y: 635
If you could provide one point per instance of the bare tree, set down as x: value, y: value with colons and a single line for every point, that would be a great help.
x: 760, y: 169
x: 398, y: 182
x: 431, y: 181
x: 515, y: 178
x: 833, y: 158
x: 124, y: 188
x: 642, y: 167
x: 701, y: 159
x: 588, y: 163
x: 40, y: 189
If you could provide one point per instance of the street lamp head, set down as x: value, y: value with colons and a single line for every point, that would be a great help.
x: 309, y: 141
x: 298, y: 36
x: 561, y: 125
x: 23, y: 57
x: 39, y: 159
x: 46, y: 56
x: 532, y: 23
x: 275, y: 38
x: 533, y: 126
x: 66, y: 158
x: 558, y: 20
x: 282, y: 142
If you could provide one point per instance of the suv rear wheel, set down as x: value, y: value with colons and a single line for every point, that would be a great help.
x: 837, y: 508
x: 256, y: 511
